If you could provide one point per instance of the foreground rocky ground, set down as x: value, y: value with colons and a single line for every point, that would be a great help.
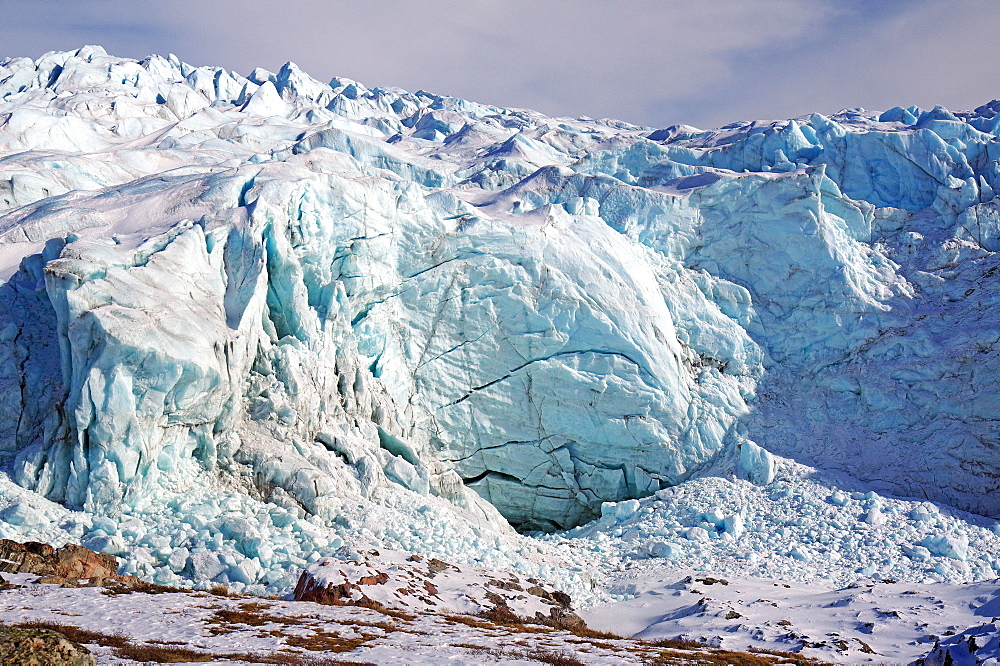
x: 68, y: 606
x: 159, y: 626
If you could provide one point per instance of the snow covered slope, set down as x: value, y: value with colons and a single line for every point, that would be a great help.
x: 241, y: 312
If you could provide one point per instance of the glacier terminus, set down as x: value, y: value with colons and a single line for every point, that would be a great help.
x: 250, y: 322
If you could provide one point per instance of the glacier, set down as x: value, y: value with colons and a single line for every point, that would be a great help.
x: 247, y: 320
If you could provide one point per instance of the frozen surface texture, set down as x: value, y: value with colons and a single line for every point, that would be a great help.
x: 245, y: 318
x: 880, y: 622
x: 245, y: 631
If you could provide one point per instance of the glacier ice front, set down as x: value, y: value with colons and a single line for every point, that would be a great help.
x: 322, y: 298
x: 330, y: 300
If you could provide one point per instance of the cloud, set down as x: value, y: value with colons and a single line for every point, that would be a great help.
x: 652, y: 62
x: 561, y: 57
x: 922, y: 53
x: 33, y: 27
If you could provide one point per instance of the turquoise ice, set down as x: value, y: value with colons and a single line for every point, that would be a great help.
x: 315, y: 294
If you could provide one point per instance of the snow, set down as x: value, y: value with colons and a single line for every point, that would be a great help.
x: 873, y: 622
x: 247, y: 321
x: 394, y: 580
x: 977, y: 645
x: 220, y: 625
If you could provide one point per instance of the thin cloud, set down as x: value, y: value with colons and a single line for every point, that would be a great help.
x: 922, y: 53
x: 653, y: 63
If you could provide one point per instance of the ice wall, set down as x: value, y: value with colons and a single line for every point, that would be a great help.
x: 310, y: 292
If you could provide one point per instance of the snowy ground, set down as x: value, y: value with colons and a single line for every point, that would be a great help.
x: 876, y: 622
x: 879, y: 622
x: 248, y: 630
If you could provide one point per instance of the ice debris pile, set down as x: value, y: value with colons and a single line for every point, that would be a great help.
x: 246, y: 319
x: 799, y: 528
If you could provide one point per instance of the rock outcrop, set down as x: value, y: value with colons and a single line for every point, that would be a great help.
x: 68, y: 562
x: 25, y: 646
x: 392, y: 580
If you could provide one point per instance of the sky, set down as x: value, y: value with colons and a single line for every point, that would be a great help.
x: 650, y: 62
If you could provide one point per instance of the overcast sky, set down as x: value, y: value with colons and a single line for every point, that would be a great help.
x: 704, y: 63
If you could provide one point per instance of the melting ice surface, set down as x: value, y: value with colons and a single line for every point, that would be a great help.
x: 248, y: 321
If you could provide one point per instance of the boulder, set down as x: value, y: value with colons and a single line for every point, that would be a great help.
x: 345, y: 588
x: 68, y: 562
x: 26, y: 646
x: 385, y: 579
x: 563, y: 618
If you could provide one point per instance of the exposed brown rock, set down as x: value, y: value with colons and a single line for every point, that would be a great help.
x: 562, y: 598
x: 69, y: 566
x: 78, y: 562
x: 29, y: 557
x: 540, y: 592
x: 69, y: 562
x: 41, y: 647
x: 341, y: 594
x: 437, y: 566
x: 555, y: 597
x: 708, y: 580
x: 506, y: 585
x: 562, y: 618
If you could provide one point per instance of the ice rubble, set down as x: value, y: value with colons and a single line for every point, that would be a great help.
x: 798, y: 528
x: 249, y: 319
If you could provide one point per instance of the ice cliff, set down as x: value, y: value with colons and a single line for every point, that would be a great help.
x: 318, y: 296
